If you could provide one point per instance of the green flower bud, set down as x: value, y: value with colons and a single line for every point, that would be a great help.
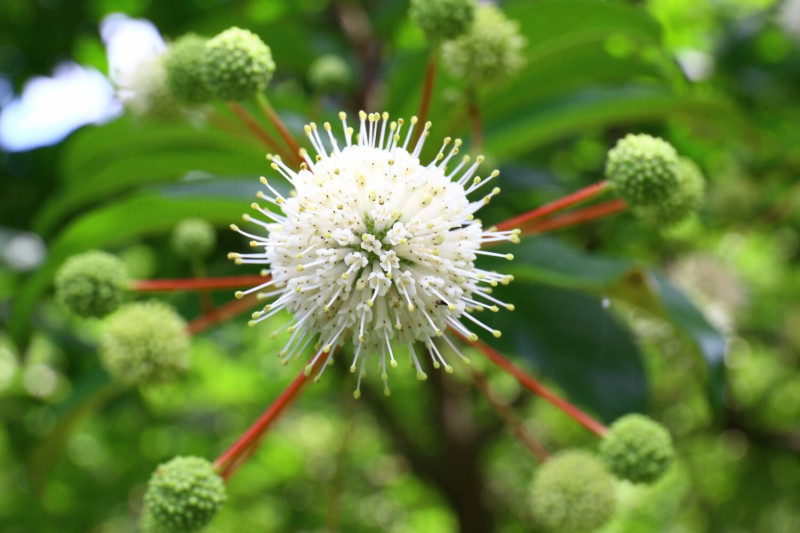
x: 637, y: 448
x: 572, y: 493
x: 643, y: 169
x: 443, y: 19
x: 91, y: 284
x: 184, y: 66
x: 489, y: 51
x: 687, y: 197
x: 144, y: 343
x: 184, y: 494
x: 237, y: 65
x: 194, y: 238
x: 330, y: 74
x: 148, y: 524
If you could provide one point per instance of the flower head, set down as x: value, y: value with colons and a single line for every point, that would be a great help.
x: 136, y: 53
x: 237, y: 64
x: 330, y: 73
x: 144, y: 343
x: 184, y: 495
x: 92, y: 284
x: 643, y: 169
x: 443, y: 19
x: 687, y: 197
x: 491, y: 50
x: 637, y: 448
x: 375, y: 245
x: 573, y: 493
x: 184, y: 68
x: 193, y: 238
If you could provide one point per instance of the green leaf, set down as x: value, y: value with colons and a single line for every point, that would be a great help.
x: 574, y: 340
x: 708, y: 341
x: 106, y: 161
x: 549, y: 260
x: 549, y: 21
x: 522, y: 130
x: 552, y: 262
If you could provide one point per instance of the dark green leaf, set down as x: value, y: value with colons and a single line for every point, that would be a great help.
x: 574, y: 340
x: 705, y: 337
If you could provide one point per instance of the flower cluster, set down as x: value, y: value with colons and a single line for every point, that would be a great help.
x: 661, y: 186
x: 376, y: 245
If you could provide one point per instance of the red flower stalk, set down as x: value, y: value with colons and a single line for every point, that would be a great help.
x: 530, y: 383
x: 197, y: 284
x: 570, y: 200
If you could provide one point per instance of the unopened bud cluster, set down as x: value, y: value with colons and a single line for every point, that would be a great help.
x: 194, y: 238
x: 184, y: 63
x: 183, y: 495
x: 443, y: 19
x: 637, y: 448
x: 573, y: 493
x: 653, y: 179
x: 330, y: 73
x: 145, y: 343
x: 232, y: 66
x: 92, y: 284
x: 237, y: 64
x: 490, y: 51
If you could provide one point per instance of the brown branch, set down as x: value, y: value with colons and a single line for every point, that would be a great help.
x: 507, y: 414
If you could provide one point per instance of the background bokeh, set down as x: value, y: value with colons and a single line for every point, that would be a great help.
x: 717, y: 79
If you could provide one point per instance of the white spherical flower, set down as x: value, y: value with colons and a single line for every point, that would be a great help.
x: 375, y: 246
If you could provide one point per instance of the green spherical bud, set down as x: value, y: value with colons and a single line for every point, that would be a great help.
x: 443, y: 19
x: 92, y: 284
x: 184, y: 66
x: 194, y: 238
x: 489, y: 51
x: 143, y: 90
x: 184, y: 494
x: 572, y: 493
x: 148, y: 524
x: 687, y: 197
x: 330, y: 74
x: 643, y: 169
x: 144, y: 343
x: 637, y: 448
x: 237, y: 64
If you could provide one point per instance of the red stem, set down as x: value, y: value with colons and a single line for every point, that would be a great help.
x: 222, y: 313
x: 558, y: 205
x: 537, y: 388
x: 276, y: 121
x: 197, y: 284
x: 476, y: 123
x: 263, y: 423
x: 577, y: 217
x: 227, y: 463
x: 427, y: 92
x: 259, y: 131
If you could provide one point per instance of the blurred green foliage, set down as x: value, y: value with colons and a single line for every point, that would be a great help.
x: 696, y: 325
